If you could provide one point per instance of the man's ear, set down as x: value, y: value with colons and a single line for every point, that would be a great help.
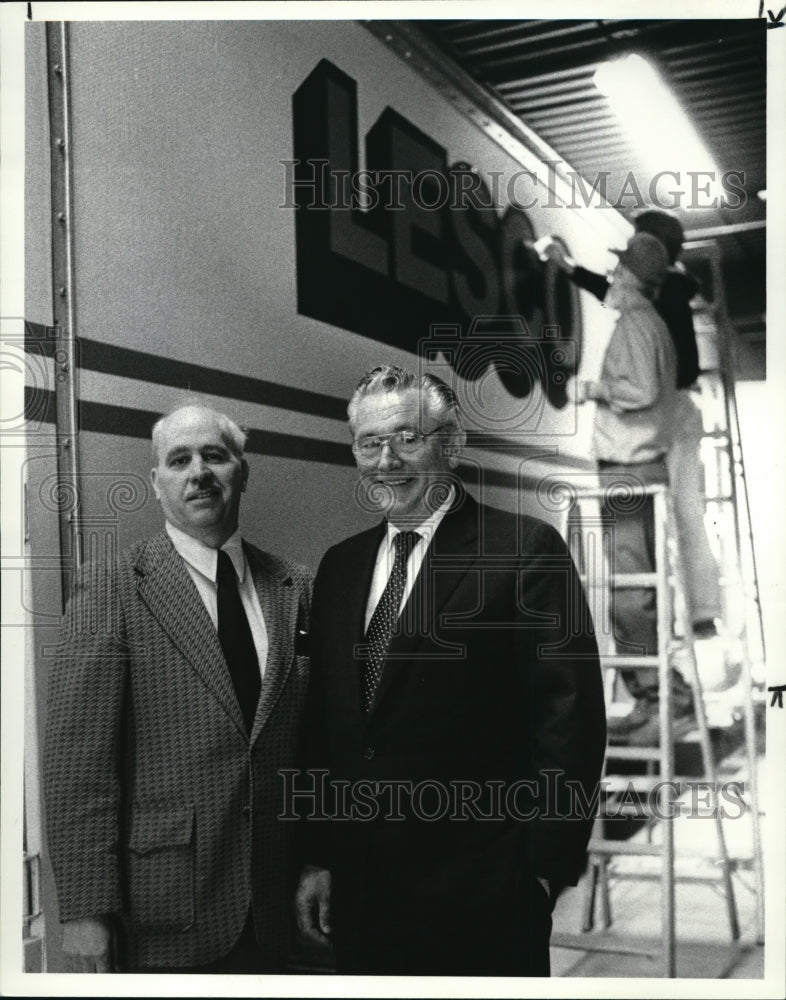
x: 154, y: 483
x: 455, y: 446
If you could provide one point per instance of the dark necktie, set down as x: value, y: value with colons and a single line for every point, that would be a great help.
x: 234, y: 634
x: 383, y: 621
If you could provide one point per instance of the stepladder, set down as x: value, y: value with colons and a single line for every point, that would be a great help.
x: 652, y: 797
x: 729, y: 518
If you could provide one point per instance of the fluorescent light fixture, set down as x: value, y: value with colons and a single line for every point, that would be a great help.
x: 659, y: 129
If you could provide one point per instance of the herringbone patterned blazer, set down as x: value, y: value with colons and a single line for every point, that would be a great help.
x: 160, y: 807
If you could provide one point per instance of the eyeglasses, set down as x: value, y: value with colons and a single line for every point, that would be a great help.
x: 405, y: 443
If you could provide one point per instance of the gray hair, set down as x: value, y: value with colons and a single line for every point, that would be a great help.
x: 233, y: 434
x: 391, y: 378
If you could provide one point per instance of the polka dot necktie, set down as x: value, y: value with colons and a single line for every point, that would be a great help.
x: 237, y: 642
x: 383, y: 621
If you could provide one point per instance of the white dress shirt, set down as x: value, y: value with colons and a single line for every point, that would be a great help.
x: 387, y: 554
x: 202, y: 564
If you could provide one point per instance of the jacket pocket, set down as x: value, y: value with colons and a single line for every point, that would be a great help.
x: 161, y: 868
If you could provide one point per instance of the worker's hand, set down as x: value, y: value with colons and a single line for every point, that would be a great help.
x: 89, y: 942
x: 312, y: 903
x: 549, y: 249
x: 576, y: 391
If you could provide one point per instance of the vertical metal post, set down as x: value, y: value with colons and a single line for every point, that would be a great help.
x: 64, y: 306
x: 33, y: 918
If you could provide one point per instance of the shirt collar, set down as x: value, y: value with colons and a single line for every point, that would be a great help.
x: 429, y: 526
x: 202, y: 557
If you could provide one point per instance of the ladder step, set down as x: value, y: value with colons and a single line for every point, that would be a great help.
x: 633, y: 753
x: 624, y: 580
x: 621, y: 581
x: 618, y: 783
x: 624, y: 848
x: 628, y: 662
x: 586, y: 942
x: 680, y: 855
x: 631, y: 783
x: 620, y: 876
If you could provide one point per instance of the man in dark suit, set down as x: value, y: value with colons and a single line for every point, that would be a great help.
x: 456, y: 702
x: 174, y: 699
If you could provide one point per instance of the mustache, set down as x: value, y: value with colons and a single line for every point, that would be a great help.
x: 203, y: 489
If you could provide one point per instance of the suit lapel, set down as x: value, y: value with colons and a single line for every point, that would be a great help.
x: 278, y: 599
x: 449, y: 558
x: 167, y: 589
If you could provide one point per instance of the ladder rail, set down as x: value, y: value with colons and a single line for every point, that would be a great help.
x: 749, y: 721
x: 684, y: 626
x: 738, y: 487
x: 665, y: 707
x: 737, y: 479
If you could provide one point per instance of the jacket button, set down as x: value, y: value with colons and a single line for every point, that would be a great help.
x: 368, y: 753
x: 246, y: 811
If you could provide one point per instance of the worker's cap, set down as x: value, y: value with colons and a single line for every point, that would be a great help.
x: 665, y: 227
x: 645, y: 257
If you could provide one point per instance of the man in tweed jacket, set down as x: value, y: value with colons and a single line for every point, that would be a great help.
x: 162, y: 801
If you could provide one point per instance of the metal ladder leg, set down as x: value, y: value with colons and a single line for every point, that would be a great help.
x: 732, y: 490
x: 741, y: 516
x: 666, y: 733
x: 685, y: 629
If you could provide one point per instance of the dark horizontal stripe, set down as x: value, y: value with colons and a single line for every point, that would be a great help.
x: 505, y: 445
x: 110, y: 359
x: 104, y: 418
x: 141, y: 366
x: 122, y: 421
x: 495, y: 477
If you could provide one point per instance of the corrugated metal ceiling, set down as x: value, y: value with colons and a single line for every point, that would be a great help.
x: 543, y: 71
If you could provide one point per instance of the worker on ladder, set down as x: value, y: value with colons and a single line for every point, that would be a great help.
x: 636, y: 396
x: 673, y: 304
